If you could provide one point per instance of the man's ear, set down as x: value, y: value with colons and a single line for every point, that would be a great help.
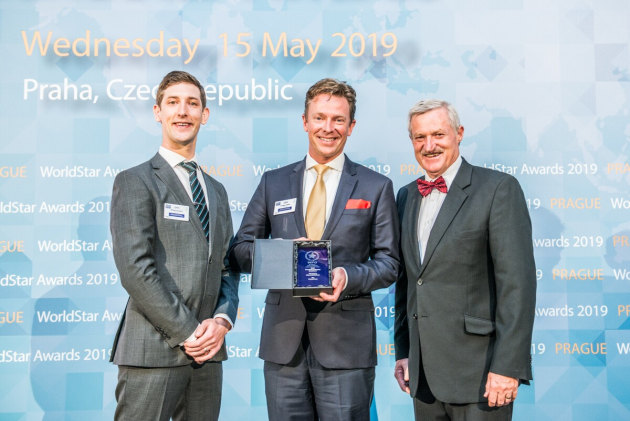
x: 156, y: 113
x: 205, y: 115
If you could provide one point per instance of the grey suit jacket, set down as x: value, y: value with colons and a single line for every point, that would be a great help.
x: 469, y: 308
x: 165, y: 266
x: 364, y: 241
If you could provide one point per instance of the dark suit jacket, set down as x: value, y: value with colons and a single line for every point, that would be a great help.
x: 165, y: 266
x: 469, y: 308
x: 364, y: 242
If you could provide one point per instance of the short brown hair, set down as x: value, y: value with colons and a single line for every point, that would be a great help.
x: 175, y: 77
x: 332, y: 87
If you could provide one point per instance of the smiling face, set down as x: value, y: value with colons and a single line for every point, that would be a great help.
x: 327, y: 122
x: 181, y: 113
x: 435, y: 141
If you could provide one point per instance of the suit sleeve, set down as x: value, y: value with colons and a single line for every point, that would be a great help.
x: 133, y: 228
x: 255, y: 224
x: 228, y: 294
x: 510, y: 242
x: 401, y: 324
x: 381, y: 270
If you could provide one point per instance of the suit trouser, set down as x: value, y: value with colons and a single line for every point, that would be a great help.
x: 304, y: 390
x: 427, y: 407
x: 190, y: 392
x: 441, y: 411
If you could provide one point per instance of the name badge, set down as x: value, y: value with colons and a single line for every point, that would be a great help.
x: 176, y: 212
x: 284, y: 206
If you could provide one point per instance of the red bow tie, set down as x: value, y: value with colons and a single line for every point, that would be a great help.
x: 425, y: 187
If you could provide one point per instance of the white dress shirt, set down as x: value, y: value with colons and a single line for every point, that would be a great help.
x: 431, y: 204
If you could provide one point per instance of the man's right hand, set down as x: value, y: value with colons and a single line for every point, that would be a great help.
x: 401, y: 372
x: 210, y: 335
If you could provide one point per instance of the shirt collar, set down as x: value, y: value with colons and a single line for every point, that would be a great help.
x: 335, y: 164
x: 451, y: 172
x: 173, y: 158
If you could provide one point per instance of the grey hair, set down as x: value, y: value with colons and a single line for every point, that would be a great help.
x: 424, y: 106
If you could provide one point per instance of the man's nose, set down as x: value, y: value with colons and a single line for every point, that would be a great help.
x: 429, y: 144
x: 182, y: 109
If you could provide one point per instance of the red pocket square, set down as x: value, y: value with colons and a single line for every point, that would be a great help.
x: 358, y: 204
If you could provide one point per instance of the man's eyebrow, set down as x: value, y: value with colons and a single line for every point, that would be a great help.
x: 333, y: 115
x: 196, y: 98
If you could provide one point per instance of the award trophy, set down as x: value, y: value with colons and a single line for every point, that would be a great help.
x: 312, y: 268
x: 302, y: 266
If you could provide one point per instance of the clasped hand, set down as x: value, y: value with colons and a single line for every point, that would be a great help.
x: 210, y: 335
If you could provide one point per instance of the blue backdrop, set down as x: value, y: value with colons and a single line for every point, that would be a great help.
x: 542, y: 88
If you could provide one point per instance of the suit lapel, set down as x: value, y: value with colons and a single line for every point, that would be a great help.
x: 167, y: 175
x: 296, y: 182
x: 454, y: 200
x: 212, y: 207
x: 414, y: 199
x: 346, y: 186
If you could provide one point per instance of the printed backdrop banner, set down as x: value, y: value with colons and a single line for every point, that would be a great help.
x: 543, y: 89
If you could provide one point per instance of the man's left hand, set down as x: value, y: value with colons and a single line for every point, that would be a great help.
x: 500, y: 390
x: 210, y: 334
x: 338, y: 283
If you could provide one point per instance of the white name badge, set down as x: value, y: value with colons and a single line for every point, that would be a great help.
x: 284, y: 206
x: 176, y: 212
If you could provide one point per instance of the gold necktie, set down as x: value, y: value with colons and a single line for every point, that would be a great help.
x: 316, y: 209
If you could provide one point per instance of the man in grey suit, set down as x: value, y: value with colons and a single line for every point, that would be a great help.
x: 320, y: 352
x: 466, y: 294
x: 171, y: 228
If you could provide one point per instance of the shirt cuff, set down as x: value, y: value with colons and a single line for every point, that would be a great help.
x: 347, y: 279
x: 224, y: 316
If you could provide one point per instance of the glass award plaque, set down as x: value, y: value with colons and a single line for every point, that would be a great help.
x: 312, y: 268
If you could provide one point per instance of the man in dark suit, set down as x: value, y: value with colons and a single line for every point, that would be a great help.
x: 466, y: 294
x: 171, y: 228
x: 320, y: 352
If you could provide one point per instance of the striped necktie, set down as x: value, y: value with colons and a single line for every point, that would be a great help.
x: 199, y: 199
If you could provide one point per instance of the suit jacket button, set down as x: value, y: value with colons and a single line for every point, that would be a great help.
x: 415, y: 316
x: 420, y: 281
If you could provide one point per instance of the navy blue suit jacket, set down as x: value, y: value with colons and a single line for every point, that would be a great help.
x: 364, y: 242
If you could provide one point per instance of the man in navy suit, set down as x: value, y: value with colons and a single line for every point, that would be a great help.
x: 320, y: 352
x: 466, y: 295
